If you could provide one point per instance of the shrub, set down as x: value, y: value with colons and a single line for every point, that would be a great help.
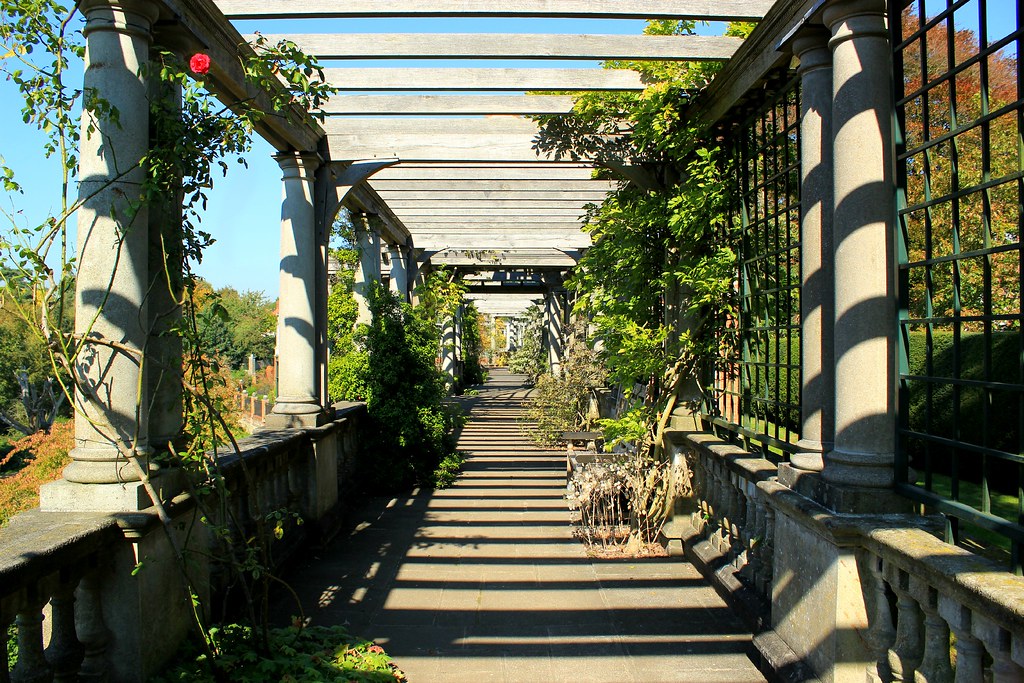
x: 44, y: 455
x: 313, y: 653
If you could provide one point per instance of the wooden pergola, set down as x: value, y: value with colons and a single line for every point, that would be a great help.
x: 446, y: 154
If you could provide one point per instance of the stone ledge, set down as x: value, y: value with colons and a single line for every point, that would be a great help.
x: 36, y: 543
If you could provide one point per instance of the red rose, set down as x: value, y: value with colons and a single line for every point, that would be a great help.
x: 200, y: 63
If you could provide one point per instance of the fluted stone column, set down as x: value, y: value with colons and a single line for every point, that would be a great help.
x: 865, y: 292
x: 368, y: 271
x: 113, y: 243
x: 817, y: 294
x: 399, y: 282
x: 297, y: 401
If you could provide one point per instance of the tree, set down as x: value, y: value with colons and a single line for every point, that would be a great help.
x: 973, y: 160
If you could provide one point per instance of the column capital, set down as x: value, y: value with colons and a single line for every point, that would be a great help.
x: 848, y: 19
x: 298, y: 164
x: 134, y: 17
x: 810, y: 46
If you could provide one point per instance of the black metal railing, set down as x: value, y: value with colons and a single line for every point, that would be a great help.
x: 960, y: 116
x: 755, y: 393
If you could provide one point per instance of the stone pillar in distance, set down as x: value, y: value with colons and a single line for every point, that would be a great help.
x: 860, y: 466
x: 297, y: 402
x: 368, y: 270
x: 399, y: 282
x: 817, y: 294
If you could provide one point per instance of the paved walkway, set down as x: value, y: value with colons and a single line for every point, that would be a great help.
x: 484, y: 581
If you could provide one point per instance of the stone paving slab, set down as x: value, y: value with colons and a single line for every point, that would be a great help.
x: 484, y: 581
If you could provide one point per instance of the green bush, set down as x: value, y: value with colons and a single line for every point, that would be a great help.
x: 933, y: 407
x: 313, y: 653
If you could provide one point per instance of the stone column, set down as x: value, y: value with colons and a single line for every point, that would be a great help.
x: 399, y: 273
x: 113, y: 271
x: 865, y: 292
x: 554, y: 315
x: 166, y: 266
x: 297, y: 402
x: 368, y: 271
x: 817, y: 294
x: 447, y: 352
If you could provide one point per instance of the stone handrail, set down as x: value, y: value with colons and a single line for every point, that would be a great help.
x: 56, y: 560
x: 55, y: 566
x: 732, y: 526
x: 932, y: 611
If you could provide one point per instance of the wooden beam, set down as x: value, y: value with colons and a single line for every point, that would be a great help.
x: 492, y: 223
x: 537, y: 172
x: 380, y: 127
x: 460, y: 213
x: 443, y: 195
x: 364, y: 105
x: 496, y: 216
x: 198, y: 27
x: 460, y: 79
x: 498, y: 189
x: 708, y: 10
x: 456, y: 207
x: 437, y: 242
x: 511, y: 46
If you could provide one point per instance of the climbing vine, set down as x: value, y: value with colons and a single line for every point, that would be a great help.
x: 193, y: 138
x: 661, y: 265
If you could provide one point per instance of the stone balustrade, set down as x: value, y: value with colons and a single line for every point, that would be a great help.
x: 732, y: 525
x: 938, y: 613
x: 63, y: 575
x: 845, y: 593
x: 53, y: 562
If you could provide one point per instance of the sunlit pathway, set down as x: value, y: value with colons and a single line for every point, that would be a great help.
x: 484, y: 581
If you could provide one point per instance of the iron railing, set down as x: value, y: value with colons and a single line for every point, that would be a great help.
x: 755, y: 393
x: 959, y: 174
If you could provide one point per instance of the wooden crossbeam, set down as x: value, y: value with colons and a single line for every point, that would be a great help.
x: 442, y: 195
x: 497, y: 189
x: 491, y: 222
x: 512, y: 46
x: 456, y: 205
x: 462, y: 212
x: 708, y: 10
x: 536, y: 172
x: 365, y: 105
x: 461, y: 79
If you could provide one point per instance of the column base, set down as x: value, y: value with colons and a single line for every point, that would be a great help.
x: 806, y: 482
x: 282, y: 420
x: 862, y: 500
x: 68, y: 496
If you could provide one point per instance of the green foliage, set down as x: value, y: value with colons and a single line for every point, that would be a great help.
x: 936, y: 409
x: 312, y: 653
x: 447, y: 470
x: 391, y: 366
x: 530, y: 358
x: 562, y: 403
x: 234, y: 325
x: 472, y: 372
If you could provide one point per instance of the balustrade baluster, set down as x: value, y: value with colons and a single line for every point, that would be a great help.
x: 92, y: 631
x: 935, y: 666
x: 907, y: 650
x: 31, y: 666
x: 756, y: 558
x: 881, y: 634
x: 738, y: 521
x: 997, y: 641
x: 65, y: 652
x: 767, y: 569
x: 744, y: 558
x: 969, y: 651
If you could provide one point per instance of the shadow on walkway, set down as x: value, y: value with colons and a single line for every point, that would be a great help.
x: 484, y: 581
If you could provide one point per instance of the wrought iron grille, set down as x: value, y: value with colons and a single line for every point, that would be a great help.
x: 755, y: 393
x: 959, y: 172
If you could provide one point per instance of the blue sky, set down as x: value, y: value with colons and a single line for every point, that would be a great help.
x: 244, y: 208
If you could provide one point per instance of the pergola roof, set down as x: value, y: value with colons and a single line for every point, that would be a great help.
x: 458, y: 169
